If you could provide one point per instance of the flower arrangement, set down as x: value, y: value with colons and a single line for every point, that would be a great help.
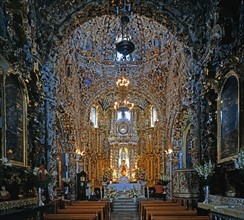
x: 165, y: 179
x: 134, y: 192
x: 112, y: 193
x: 66, y: 182
x: 5, y: 162
x: 42, y: 177
x: 206, y: 170
x: 239, y: 162
x: 140, y: 174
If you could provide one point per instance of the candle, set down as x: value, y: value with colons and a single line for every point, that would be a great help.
x: 147, y: 192
x: 101, y: 192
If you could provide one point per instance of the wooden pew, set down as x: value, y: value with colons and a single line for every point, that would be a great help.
x: 158, y: 206
x: 144, y: 202
x: 162, y: 208
x: 160, y: 217
x: 104, y: 204
x: 70, y: 217
x: 84, y: 210
x: 83, y: 203
x: 169, y: 213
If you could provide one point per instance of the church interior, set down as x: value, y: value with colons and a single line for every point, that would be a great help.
x: 125, y: 95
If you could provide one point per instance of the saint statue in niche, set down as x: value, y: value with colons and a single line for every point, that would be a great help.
x: 124, y: 165
x: 123, y: 168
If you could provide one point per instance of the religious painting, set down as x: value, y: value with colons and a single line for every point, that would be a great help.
x: 15, y: 121
x: 229, y: 119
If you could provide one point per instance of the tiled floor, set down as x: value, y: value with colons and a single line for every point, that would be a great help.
x: 124, y: 215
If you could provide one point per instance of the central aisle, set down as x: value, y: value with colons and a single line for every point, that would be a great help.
x: 124, y: 215
x: 124, y: 209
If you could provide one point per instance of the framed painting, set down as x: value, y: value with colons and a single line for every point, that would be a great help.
x: 228, y: 118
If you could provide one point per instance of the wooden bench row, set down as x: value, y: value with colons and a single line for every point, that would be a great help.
x: 151, y: 210
x: 71, y: 217
x: 99, y: 210
x: 179, y: 217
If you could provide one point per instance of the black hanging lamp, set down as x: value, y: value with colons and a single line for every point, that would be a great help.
x: 124, y: 45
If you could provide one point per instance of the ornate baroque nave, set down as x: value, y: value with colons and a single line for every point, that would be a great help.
x: 103, y: 98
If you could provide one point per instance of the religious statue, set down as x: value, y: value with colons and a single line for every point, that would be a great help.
x: 123, y: 168
x: 4, y: 194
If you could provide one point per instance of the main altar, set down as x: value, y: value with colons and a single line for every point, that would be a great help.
x: 122, y: 187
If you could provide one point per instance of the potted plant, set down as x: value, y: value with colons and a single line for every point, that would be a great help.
x: 165, y: 179
x: 205, y: 171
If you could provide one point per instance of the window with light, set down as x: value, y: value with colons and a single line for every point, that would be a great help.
x: 123, y: 114
x: 93, y: 116
x: 154, y: 116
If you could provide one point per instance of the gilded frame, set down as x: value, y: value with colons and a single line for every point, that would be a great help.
x: 228, y: 117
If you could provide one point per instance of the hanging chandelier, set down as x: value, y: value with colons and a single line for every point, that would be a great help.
x: 123, y: 43
x: 122, y: 84
x: 123, y: 104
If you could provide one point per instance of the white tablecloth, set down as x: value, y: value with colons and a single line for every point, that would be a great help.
x: 125, y: 186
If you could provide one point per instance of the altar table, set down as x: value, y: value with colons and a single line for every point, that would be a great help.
x: 125, y: 186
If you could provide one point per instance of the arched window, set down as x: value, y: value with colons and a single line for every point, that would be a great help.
x: 154, y: 116
x: 93, y: 116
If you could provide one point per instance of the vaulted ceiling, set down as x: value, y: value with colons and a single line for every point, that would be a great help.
x: 80, y: 37
x: 70, y: 47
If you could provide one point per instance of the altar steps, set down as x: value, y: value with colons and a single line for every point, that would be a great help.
x: 124, y: 204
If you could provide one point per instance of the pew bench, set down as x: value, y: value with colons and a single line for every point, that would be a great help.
x: 70, y: 217
x: 160, y: 217
x: 83, y: 210
x: 169, y: 208
x: 145, y: 202
x: 158, y: 206
x: 103, y: 204
x: 169, y: 213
